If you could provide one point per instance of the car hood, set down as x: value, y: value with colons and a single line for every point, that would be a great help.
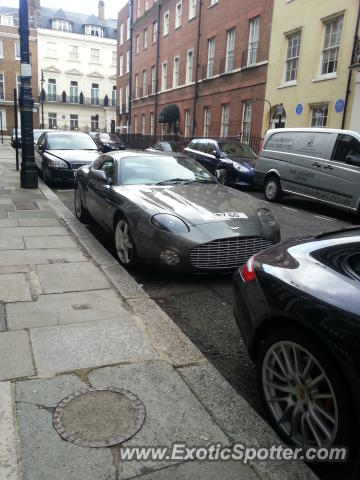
x: 197, y: 204
x: 75, y: 156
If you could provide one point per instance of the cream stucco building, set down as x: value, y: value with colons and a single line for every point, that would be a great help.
x: 77, y: 58
x: 310, y: 54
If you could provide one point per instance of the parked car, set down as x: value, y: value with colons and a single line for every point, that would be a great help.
x: 167, y: 210
x: 166, y: 146
x: 108, y: 142
x: 38, y: 132
x: 59, y: 154
x: 93, y: 134
x: 297, y: 305
x: 316, y: 163
x: 231, y: 162
x: 13, y: 138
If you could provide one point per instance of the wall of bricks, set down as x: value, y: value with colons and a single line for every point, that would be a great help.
x: 234, y: 88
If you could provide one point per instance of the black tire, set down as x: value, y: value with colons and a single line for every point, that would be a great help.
x: 344, y: 434
x: 272, y: 189
x: 45, y: 177
x: 221, y: 175
x: 81, y: 212
x: 131, y: 259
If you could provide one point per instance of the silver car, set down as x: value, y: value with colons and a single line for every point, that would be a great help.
x: 168, y: 210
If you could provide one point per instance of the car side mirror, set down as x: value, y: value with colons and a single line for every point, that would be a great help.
x: 109, y: 170
x: 99, y: 175
x: 216, y: 154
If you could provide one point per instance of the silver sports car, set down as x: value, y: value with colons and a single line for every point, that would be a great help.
x: 168, y: 210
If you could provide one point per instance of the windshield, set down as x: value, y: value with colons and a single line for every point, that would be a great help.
x: 70, y: 141
x: 37, y: 134
x: 237, y: 150
x: 105, y: 137
x: 150, y: 170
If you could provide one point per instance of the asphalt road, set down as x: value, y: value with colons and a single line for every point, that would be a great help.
x: 202, y: 305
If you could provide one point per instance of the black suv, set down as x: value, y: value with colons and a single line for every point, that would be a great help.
x: 231, y: 162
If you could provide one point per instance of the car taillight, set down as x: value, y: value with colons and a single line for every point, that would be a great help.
x: 247, y: 271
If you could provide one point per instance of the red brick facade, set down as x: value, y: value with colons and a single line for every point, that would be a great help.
x: 242, y: 84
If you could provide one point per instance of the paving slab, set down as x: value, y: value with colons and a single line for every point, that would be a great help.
x: 8, y: 223
x: 124, y: 282
x: 34, y: 231
x: 33, y: 214
x: 70, y: 347
x: 8, y: 457
x: 71, y: 277
x: 15, y: 243
x: 38, y: 222
x: 49, y: 242
x: 7, y: 207
x: 3, y: 215
x: 65, y: 308
x: 41, y: 257
x: 2, y: 318
x: 173, y: 413
x: 16, y: 358
x: 14, y: 288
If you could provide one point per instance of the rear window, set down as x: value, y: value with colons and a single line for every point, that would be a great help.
x: 312, y: 144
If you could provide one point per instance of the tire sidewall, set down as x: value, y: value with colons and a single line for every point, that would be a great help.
x: 277, y: 195
x: 133, y: 260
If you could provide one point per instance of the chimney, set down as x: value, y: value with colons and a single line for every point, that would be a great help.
x: 101, y: 10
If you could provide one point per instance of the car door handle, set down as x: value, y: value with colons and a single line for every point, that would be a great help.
x: 328, y: 167
x: 316, y: 164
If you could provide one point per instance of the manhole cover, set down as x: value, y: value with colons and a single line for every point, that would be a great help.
x: 99, y: 417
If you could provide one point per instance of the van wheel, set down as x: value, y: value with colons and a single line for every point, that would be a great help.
x: 272, y: 189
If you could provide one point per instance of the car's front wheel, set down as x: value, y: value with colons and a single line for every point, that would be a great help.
x: 124, y: 243
x: 46, y: 177
x: 80, y: 211
x: 303, y: 391
x: 272, y: 189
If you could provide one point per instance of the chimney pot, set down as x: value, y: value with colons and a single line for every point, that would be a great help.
x: 101, y: 7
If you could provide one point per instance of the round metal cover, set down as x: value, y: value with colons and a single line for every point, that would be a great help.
x: 99, y: 417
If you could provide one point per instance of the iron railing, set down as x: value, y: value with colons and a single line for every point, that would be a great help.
x: 78, y: 100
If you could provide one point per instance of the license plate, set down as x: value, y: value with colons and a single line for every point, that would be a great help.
x: 226, y: 216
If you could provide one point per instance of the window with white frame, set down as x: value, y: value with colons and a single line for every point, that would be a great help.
x: 292, y: 57
x: 94, y: 94
x: 178, y: 14
x: 3, y: 119
x: 17, y: 50
x: 74, y: 92
x: 18, y: 84
x: 128, y: 28
x: 152, y: 124
x: 113, y: 57
x: 230, y: 50
x: 94, y: 30
x: 95, y: 55
x: 2, y: 86
x: 127, y: 62
x: 113, y: 96
x: 166, y: 23
x: 127, y: 98
x: 164, y: 76
x: 331, y: 46
x: 225, y: 111
x: 154, y: 31
x: 143, y: 124
x: 121, y: 35
x: 253, y: 41
x: 51, y: 90
x: 192, y: 9
x: 1, y: 49
x: 144, y: 85
x: 136, y: 93
x: 120, y: 100
x: 145, y: 44
x: 138, y: 13
x: 153, y: 79
x: 189, y: 66
x: 137, y: 44
x: 187, y: 123
x: 146, y: 5
x: 211, y: 57
x: 94, y: 122
x: 61, y: 25
x: 319, y: 115
x: 52, y: 119
x: 176, y: 72
x: 7, y: 20
x: 213, y: 2
x: 135, y: 124
x: 207, y: 116
x: 51, y: 49
x: 74, y: 121
x: 121, y: 66
x: 246, y: 121
x: 74, y: 52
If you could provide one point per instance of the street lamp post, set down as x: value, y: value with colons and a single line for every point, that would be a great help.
x: 42, y: 80
x: 28, y: 173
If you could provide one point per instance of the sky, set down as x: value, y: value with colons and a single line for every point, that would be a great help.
x: 112, y: 7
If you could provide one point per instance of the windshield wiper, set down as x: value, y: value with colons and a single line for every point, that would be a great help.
x: 172, y: 180
x: 198, y: 181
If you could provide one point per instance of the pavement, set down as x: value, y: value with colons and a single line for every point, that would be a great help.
x: 71, y: 318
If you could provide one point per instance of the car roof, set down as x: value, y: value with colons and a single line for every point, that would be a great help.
x: 62, y: 132
x: 118, y: 155
x: 312, y: 130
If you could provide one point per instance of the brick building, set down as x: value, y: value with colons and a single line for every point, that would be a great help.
x: 10, y: 65
x: 232, y: 52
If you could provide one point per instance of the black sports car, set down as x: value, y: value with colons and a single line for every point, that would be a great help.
x: 298, y: 307
x: 169, y: 211
x: 59, y: 154
x: 108, y: 142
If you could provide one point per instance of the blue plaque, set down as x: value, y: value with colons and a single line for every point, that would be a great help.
x: 299, y: 109
x: 339, y: 106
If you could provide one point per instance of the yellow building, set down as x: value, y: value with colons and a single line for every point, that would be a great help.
x: 352, y: 116
x: 311, y: 48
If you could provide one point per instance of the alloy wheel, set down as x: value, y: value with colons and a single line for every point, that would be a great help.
x: 271, y: 189
x: 299, y: 395
x: 123, y: 242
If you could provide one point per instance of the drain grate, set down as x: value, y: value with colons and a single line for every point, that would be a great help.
x: 99, y: 417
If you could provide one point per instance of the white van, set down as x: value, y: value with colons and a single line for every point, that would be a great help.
x: 318, y: 163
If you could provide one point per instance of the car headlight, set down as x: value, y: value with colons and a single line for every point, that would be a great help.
x: 57, y: 163
x: 270, y: 228
x: 169, y: 223
x: 240, y: 168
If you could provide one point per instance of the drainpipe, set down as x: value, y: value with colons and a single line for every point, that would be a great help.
x: 131, y: 8
x: 350, y: 70
x: 157, y: 69
x: 196, y: 87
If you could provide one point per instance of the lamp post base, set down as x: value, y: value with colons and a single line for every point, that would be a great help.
x: 28, y: 179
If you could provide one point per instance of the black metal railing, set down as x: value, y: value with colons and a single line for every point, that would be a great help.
x: 355, y: 61
x: 251, y: 57
x: 78, y: 100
